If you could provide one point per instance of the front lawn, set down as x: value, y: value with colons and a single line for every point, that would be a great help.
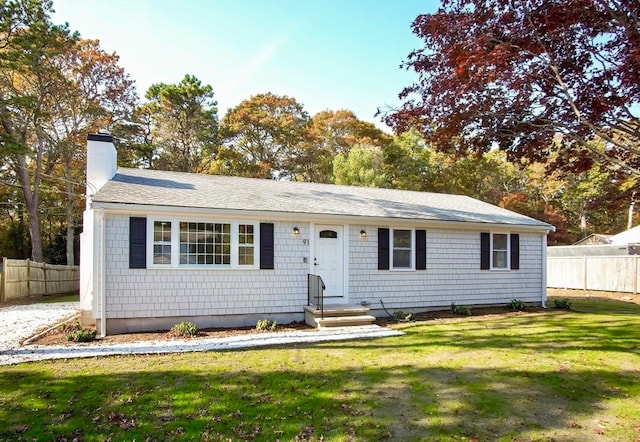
x: 555, y: 375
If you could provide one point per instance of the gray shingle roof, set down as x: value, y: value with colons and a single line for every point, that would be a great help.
x: 176, y: 189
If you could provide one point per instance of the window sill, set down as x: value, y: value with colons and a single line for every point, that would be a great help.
x: 203, y: 267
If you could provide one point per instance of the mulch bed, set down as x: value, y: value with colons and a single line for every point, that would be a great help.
x: 58, y: 337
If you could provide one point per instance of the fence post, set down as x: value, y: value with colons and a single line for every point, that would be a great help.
x: 44, y: 275
x: 584, y: 273
x: 3, y: 288
x: 635, y: 274
x: 28, y: 277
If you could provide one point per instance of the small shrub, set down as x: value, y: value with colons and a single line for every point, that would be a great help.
x: 564, y: 304
x: 460, y: 310
x: 517, y: 305
x: 82, y: 335
x: 68, y: 327
x: 184, y: 329
x: 401, y: 316
x: 266, y: 325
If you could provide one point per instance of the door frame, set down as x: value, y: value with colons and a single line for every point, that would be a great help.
x: 344, y: 299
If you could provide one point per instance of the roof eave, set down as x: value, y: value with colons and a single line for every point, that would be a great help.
x: 121, y: 208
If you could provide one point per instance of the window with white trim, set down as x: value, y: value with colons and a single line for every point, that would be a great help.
x: 162, y: 242
x: 197, y: 243
x: 205, y: 243
x: 246, y: 244
x: 402, y: 246
x: 500, y: 251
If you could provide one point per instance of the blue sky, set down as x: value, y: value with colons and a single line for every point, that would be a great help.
x: 327, y: 54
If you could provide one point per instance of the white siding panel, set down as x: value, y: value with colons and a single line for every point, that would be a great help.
x: 453, y: 275
x: 193, y: 292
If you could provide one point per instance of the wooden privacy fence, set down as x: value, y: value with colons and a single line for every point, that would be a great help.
x: 608, y: 273
x: 22, y: 278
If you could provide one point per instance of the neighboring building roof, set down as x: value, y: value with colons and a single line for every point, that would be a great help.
x: 594, y: 238
x: 631, y: 236
x: 177, y: 189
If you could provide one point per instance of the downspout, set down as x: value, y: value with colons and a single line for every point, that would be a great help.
x: 544, y: 270
x: 102, y: 260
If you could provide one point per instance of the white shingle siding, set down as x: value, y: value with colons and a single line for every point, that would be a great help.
x: 453, y: 275
x: 138, y: 293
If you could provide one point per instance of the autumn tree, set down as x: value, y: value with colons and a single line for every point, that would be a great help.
x: 30, y: 47
x: 259, y: 136
x: 330, y: 133
x: 54, y: 89
x: 179, y: 124
x: 94, y: 94
x: 516, y: 74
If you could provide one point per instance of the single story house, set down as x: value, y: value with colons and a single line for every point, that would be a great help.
x: 162, y: 247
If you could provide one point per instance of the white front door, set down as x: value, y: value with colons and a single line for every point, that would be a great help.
x: 328, y: 259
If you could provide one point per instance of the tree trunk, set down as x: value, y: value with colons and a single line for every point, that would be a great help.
x: 31, y: 200
x: 583, y: 222
x: 630, y: 217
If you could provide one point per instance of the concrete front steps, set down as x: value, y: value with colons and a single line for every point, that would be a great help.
x: 338, y: 315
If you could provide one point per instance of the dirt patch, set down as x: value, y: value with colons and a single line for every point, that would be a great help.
x: 58, y: 336
x: 594, y: 295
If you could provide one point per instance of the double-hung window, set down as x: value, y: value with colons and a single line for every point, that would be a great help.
x: 162, y: 242
x: 197, y: 243
x: 246, y: 244
x: 402, y: 249
x: 500, y: 251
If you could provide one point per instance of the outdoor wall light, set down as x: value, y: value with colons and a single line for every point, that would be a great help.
x: 296, y: 231
x: 363, y: 233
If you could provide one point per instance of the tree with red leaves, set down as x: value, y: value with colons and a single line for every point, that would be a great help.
x: 529, y: 76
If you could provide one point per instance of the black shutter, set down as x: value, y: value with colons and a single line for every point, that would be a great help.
x: 485, y: 251
x: 421, y: 249
x: 137, y: 243
x: 515, y: 251
x: 266, y: 246
x: 383, y: 249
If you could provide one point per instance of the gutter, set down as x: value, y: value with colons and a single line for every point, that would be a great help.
x: 544, y: 271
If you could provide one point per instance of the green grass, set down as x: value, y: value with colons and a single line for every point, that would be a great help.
x: 71, y: 297
x: 557, y: 375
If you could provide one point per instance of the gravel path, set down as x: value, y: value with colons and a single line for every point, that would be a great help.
x: 20, y: 322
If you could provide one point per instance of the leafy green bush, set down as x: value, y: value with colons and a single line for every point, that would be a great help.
x: 460, y: 310
x: 517, y: 305
x: 68, y: 327
x: 184, y: 329
x: 564, y: 304
x: 266, y: 325
x: 82, y: 335
x: 401, y: 316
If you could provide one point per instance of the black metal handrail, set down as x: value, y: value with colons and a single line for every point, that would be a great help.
x: 315, y: 292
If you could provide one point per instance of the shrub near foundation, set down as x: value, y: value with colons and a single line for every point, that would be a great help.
x: 563, y: 304
x: 517, y: 305
x: 461, y: 310
x: 184, y: 330
x: 266, y: 325
x: 82, y: 335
